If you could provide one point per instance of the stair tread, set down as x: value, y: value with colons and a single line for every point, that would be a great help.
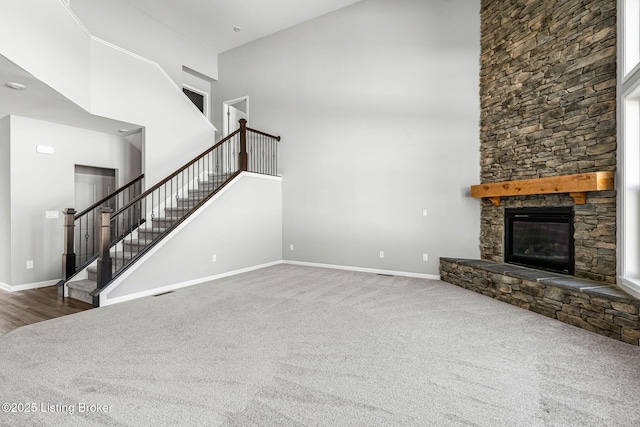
x: 122, y: 254
x: 148, y: 229
x: 137, y: 242
x: 85, y: 285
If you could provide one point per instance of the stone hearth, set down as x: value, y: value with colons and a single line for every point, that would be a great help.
x: 589, y: 305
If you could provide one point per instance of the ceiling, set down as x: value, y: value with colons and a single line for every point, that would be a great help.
x: 209, y: 22
x: 39, y: 101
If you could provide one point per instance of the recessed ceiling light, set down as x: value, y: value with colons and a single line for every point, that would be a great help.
x: 237, y: 29
x: 16, y: 86
x: 123, y: 130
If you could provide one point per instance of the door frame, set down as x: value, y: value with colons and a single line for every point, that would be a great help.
x: 225, y: 112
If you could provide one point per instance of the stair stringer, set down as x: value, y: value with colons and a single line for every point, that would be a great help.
x: 241, y: 225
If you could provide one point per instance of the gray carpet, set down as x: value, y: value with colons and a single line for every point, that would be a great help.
x: 291, y: 345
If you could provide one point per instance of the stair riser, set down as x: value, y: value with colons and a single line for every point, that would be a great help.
x: 177, y: 211
x: 187, y: 203
x: 93, y: 274
x: 149, y: 235
x: 80, y: 295
x: 198, y: 194
x: 135, y: 247
x: 164, y: 222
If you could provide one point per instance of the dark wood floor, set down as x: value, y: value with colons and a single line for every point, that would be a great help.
x: 34, y: 305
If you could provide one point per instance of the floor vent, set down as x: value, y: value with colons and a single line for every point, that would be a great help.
x: 164, y: 293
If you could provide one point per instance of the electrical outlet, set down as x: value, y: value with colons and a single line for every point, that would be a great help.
x: 30, y: 264
x: 290, y: 247
x: 425, y: 257
x: 381, y: 254
x: 214, y: 258
x: 424, y: 212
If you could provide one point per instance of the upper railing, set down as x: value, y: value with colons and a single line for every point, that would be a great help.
x: 262, y: 152
x: 146, y: 219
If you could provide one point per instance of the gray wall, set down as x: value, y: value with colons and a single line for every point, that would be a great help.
x: 242, y: 227
x: 378, y: 107
x: 46, y: 183
x: 5, y: 202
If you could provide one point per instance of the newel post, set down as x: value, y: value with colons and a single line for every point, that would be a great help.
x: 69, y: 255
x: 244, y: 158
x: 104, y: 257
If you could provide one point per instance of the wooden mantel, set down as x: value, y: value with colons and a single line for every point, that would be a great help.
x: 576, y: 185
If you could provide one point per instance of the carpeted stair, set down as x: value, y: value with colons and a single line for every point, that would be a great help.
x: 81, y: 289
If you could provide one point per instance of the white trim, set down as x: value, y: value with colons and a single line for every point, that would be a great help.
x: 168, y: 288
x: 225, y: 125
x: 364, y: 270
x: 104, y: 296
x: 627, y: 89
x: 630, y: 286
x: 28, y: 286
x: 175, y: 286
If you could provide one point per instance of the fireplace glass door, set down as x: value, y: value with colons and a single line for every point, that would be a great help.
x: 540, y: 238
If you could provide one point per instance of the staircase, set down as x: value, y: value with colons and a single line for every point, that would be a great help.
x: 126, y: 235
x: 144, y: 235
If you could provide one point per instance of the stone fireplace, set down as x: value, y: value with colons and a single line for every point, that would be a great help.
x: 594, y: 232
x: 548, y: 110
x: 547, y: 93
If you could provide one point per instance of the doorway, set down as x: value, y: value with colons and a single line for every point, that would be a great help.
x: 233, y: 111
x: 92, y: 184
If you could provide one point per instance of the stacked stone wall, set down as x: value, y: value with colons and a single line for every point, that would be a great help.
x: 548, y: 96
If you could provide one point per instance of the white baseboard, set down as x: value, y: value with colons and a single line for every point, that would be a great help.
x: 28, y: 286
x: 364, y: 270
x: 173, y: 287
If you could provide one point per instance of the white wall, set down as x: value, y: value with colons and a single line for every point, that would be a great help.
x: 5, y: 201
x: 124, y: 87
x: 378, y: 107
x: 41, y: 183
x: 43, y: 38
x: 242, y: 226
x: 121, y: 24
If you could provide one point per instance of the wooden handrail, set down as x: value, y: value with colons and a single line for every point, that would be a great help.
x: 167, y: 179
x: 264, y: 134
x: 115, y: 193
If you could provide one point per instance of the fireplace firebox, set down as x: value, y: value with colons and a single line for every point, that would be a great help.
x: 540, y: 238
